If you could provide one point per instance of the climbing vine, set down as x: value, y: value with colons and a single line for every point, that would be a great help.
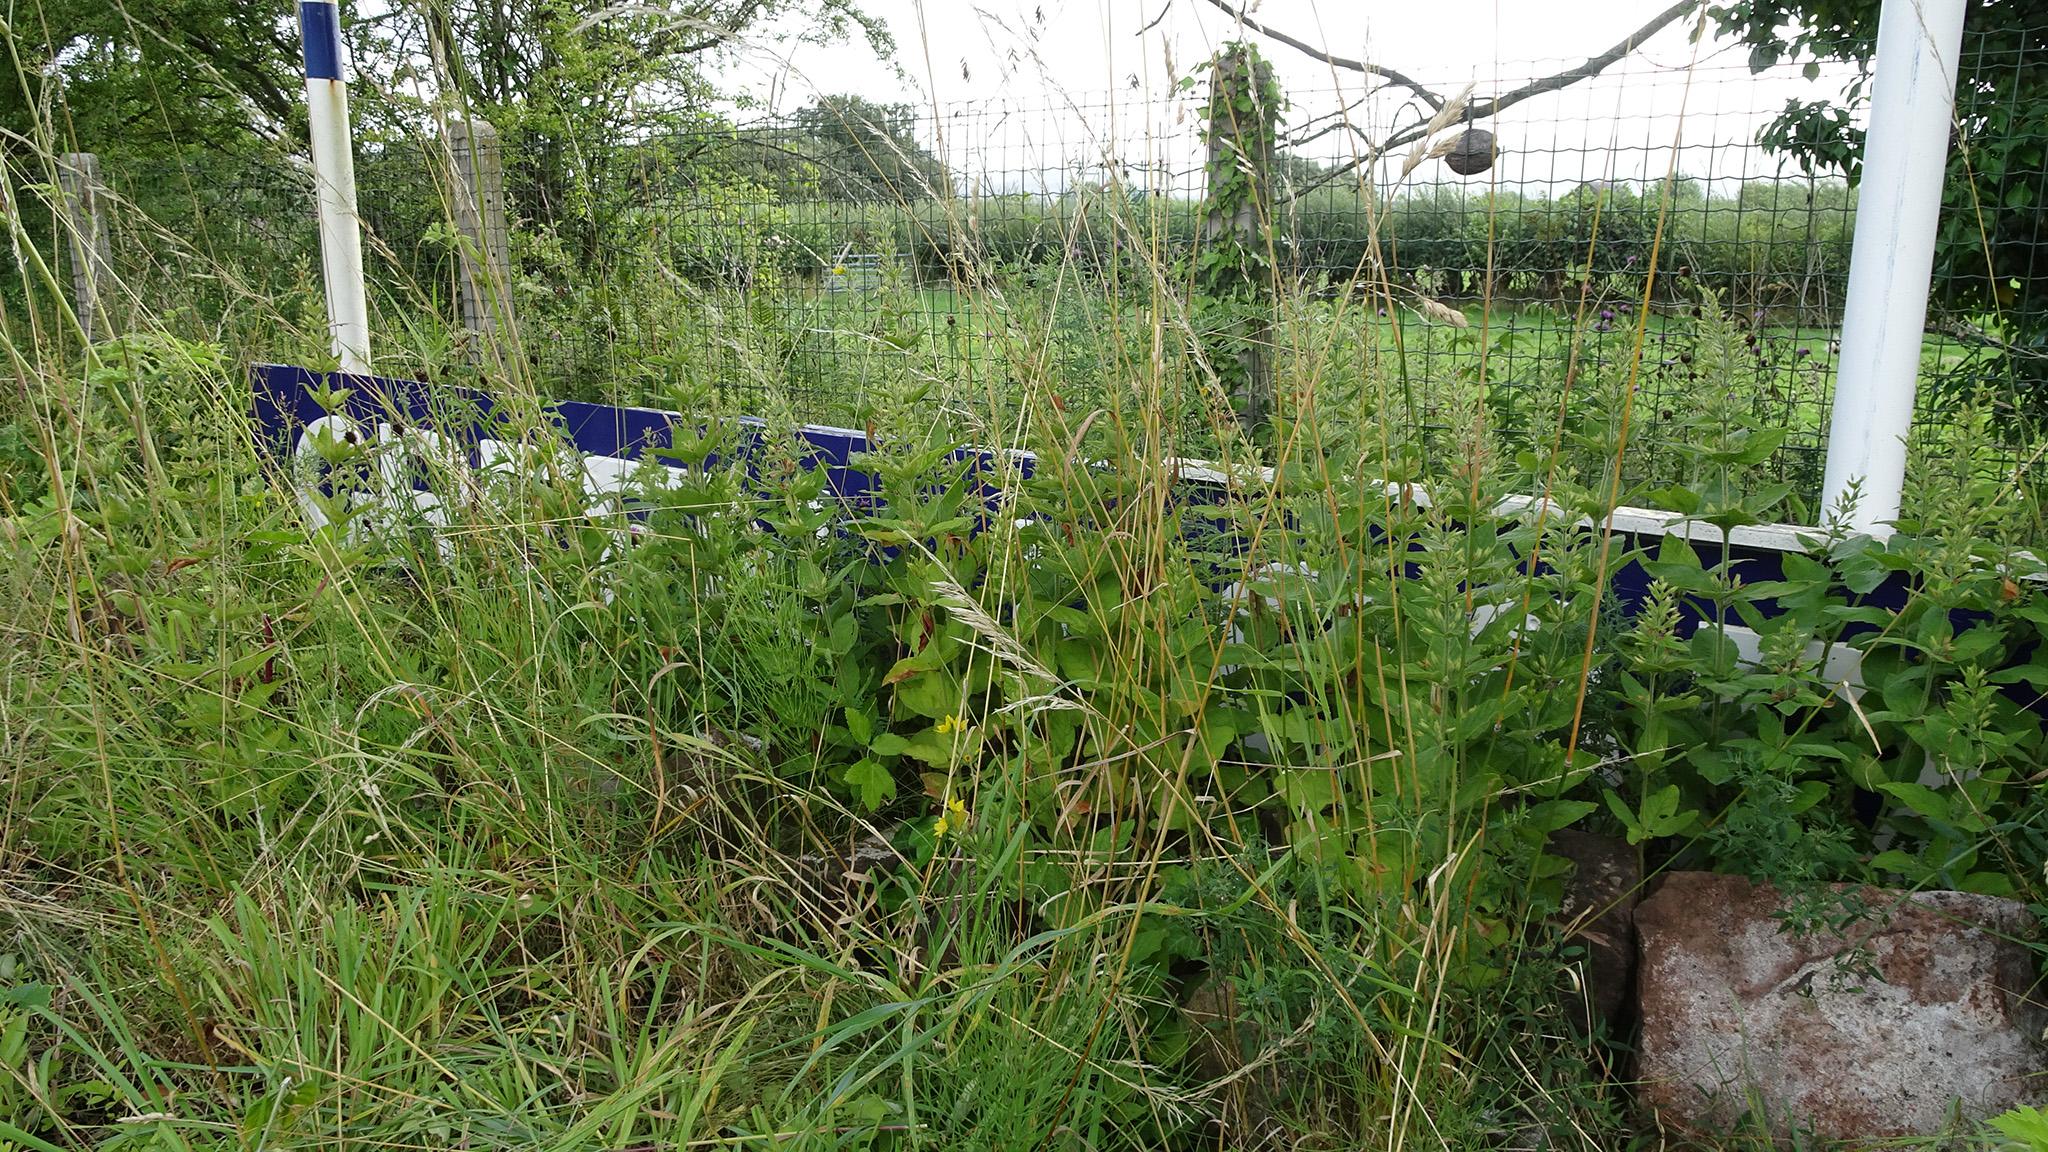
x: 1234, y: 268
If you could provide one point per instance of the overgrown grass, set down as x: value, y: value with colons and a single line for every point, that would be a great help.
x: 1113, y: 822
x: 829, y: 355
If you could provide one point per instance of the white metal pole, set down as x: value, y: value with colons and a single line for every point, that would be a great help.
x: 334, y: 171
x: 1905, y: 158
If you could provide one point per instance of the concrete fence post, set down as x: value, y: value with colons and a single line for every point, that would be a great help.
x: 84, y: 220
x: 484, y: 277
x: 1235, y: 272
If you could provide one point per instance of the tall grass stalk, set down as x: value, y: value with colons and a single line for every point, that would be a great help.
x: 1070, y: 823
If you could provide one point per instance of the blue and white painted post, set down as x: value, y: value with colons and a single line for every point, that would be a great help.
x: 1898, y: 207
x: 334, y: 171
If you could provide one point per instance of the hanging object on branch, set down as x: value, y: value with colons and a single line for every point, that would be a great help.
x: 1471, y: 153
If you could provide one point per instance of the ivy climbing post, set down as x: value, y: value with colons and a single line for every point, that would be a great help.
x: 1234, y: 268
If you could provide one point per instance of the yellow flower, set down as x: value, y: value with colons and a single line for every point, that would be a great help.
x: 950, y: 724
x: 839, y: 269
x: 954, y: 818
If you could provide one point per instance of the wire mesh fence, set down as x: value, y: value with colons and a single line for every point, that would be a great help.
x: 806, y: 262
x: 816, y: 251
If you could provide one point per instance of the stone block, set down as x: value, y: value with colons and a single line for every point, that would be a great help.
x: 1924, y: 1001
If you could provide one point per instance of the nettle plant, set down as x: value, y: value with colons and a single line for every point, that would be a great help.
x: 1381, y: 697
x: 1367, y: 679
x: 1871, y: 714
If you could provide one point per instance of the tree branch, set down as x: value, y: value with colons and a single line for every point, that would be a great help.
x: 1434, y: 101
x: 1590, y: 68
x: 1339, y: 121
x: 1485, y: 108
x: 717, y: 32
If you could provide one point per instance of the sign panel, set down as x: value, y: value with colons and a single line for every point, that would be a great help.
x: 430, y: 443
x: 418, y: 428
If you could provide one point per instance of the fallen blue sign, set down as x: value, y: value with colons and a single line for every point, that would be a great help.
x: 617, y: 447
x: 295, y: 408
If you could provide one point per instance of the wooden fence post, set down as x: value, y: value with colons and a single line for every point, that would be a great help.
x: 1236, y: 274
x: 84, y: 220
x: 485, y: 278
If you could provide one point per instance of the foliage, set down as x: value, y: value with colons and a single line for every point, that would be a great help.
x: 557, y: 75
x: 1103, y: 803
x: 1231, y: 787
x: 2023, y: 1129
x: 1991, y: 267
x: 154, y: 73
x: 865, y: 152
x: 131, y: 80
x: 1235, y: 265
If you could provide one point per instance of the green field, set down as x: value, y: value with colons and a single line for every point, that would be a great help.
x: 978, y: 354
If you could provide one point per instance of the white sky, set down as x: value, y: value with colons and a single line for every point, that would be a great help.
x: 1092, y: 45
x: 1062, y: 65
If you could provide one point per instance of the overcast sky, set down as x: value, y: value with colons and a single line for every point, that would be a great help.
x: 962, y: 50
x: 1058, y: 67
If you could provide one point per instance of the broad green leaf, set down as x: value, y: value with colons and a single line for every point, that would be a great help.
x: 1919, y: 798
x: 1553, y: 815
x: 871, y: 781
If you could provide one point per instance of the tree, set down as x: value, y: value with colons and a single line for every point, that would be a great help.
x: 865, y: 151
x: 1991, y: 256
x: 149, y: 73
x: 194, y: 107
x: 567, y: 81
x: 1291, y: 170
x: 554, y: 75
x: 556, y: 63
x: 1479, y: 108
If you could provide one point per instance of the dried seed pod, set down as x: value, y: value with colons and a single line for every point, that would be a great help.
x: 1472, y: 152
x: 1442, y: 313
